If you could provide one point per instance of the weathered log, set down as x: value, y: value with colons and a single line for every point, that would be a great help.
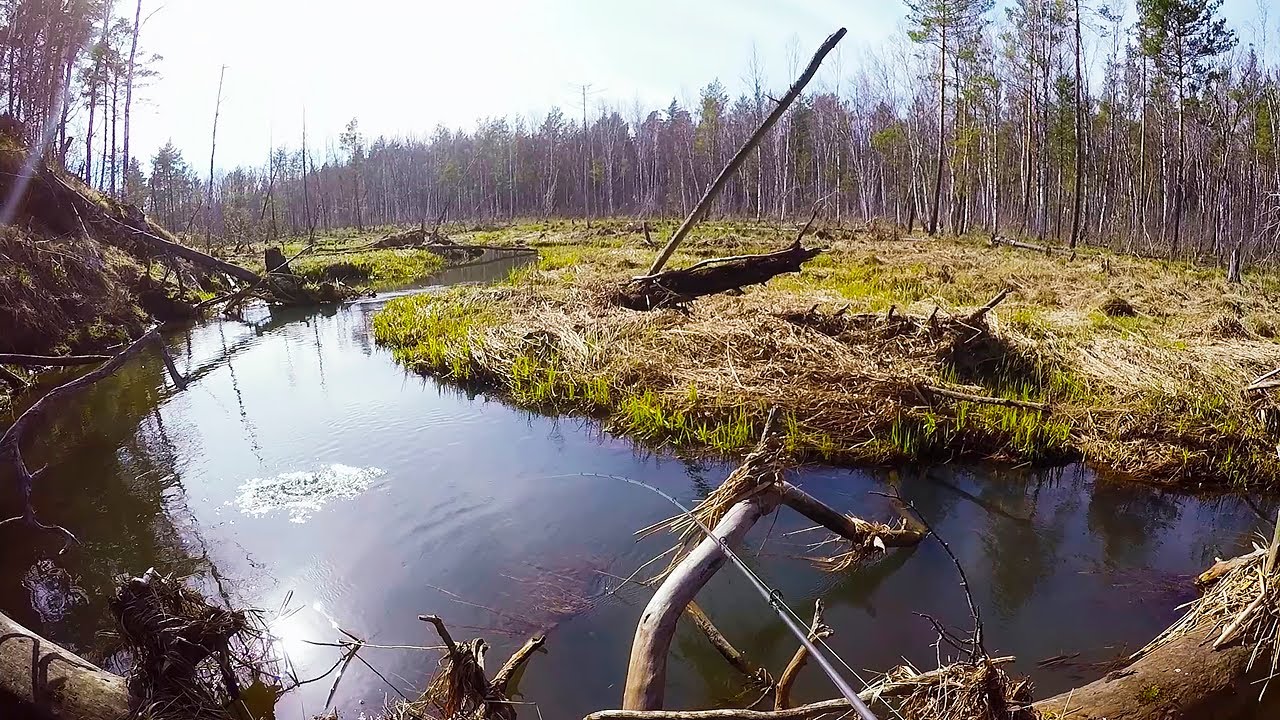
x: 704, y: 204
x: 647, y: 670
x: 1185, y: 678
x: 709, y: 277
x: 45, y: 680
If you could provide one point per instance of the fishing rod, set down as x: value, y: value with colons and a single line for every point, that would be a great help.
x: 771, y: 596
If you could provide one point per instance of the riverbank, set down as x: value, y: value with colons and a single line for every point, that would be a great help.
x: 1134, y: 365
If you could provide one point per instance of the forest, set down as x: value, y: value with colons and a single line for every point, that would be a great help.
x: 1065, y: 121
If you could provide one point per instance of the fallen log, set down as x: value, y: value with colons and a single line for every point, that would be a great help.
x: 647, y: 670
x: 132, y: 224
x: 1185, y: 678
x: 982, y: 399
x: 709, y: 277
x: 39, y: 676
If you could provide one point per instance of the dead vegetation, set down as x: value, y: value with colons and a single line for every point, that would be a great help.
x: 870, y: 355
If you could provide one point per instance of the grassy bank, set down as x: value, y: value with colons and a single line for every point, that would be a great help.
x: 1139, y: 362
x: 370, y: 268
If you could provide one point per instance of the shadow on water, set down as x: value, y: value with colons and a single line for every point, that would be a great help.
x: 304, y: 461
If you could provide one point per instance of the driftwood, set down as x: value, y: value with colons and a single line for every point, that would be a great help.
x: 704, y: 205
x: 10, y: 450
x: 709, y: 277
x: 40, y: 676
x: 647, y: 668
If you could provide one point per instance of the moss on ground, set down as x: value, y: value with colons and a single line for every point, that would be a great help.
x: 1140, y: 362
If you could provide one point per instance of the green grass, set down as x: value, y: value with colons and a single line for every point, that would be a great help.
x: 373, y: 267
x: 434, y: 333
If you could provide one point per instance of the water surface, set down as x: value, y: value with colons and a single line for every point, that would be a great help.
x: 304, y: 462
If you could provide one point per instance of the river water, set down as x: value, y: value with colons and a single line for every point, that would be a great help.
x: 304, y: 464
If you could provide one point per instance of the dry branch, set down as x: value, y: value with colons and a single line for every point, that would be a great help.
x: 704, y: 205
x: 813, y: 710
x: 984, y: 399
x: 10, y: 442
x: 503, y: 677
x: 981, y: 312
x: 817, y: 631
x: 853, y: 529
x: 21, y: 360
x: 726, y: 649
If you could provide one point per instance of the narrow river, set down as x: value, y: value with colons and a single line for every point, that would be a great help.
x: 303, y: 463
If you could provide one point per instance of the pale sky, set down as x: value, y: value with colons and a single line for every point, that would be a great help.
x: 404, y: 67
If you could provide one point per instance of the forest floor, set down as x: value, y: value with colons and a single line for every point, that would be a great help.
x: 1139, y: 364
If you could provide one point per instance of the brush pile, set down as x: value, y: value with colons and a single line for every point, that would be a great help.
x: 977, y: 690
x: 190, y: 659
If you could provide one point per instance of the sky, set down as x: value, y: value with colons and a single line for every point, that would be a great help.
x: 406, y: 66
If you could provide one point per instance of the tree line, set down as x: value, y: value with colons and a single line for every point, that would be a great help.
x: 1058, y: 120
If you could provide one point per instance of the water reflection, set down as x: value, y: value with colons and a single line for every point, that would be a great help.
x: 478, y: 515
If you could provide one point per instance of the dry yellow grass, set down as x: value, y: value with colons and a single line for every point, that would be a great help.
x: 849, y: 348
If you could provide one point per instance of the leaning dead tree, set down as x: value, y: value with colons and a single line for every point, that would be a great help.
x: 657, y: 289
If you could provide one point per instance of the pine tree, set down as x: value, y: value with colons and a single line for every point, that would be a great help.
x: 935, y: 21
x: 1181, y: 37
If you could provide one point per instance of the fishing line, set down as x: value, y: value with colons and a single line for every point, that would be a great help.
x: 771, y: 596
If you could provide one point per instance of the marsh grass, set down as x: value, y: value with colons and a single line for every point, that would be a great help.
x: 372, y: 267
x: 1154, y: 393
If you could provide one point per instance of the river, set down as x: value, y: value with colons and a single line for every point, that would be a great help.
x: 303, y: 464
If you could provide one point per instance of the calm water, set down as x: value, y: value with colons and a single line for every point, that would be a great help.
x: 303, y: 460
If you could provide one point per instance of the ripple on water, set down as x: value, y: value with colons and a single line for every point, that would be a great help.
x: 302, y: 493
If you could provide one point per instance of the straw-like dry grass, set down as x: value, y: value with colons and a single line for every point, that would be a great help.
x: 1140, y: 362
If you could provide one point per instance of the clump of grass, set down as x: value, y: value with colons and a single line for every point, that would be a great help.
x: 435, y: 333
x: 373, y: 267
x: 1115, y: 306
